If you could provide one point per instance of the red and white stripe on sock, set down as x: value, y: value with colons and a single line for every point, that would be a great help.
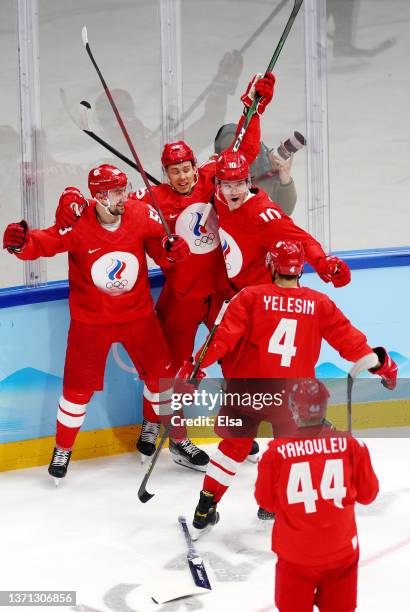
x: 224, y: 464
x: 70, y: 417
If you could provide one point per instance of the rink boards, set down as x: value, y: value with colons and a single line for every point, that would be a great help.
x: 34, y: 327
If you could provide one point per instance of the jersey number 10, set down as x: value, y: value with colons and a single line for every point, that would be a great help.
x: 300, y: 486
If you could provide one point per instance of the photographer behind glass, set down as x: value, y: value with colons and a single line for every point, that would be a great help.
x: 271, y: 169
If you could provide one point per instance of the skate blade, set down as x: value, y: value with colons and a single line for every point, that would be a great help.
x: 56, y: 481
x: 198, y: 533
x: 252, y: 458
x: 187, y: 464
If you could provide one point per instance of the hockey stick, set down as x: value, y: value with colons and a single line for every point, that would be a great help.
x: 143, y: 494
x: 85, y: 127
x: 196, y: 565
x: 251, y: 110
x: 241, y: 51
x: 125, y: 133
x: 364, y: 363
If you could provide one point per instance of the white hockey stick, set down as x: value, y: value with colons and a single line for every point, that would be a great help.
x: 364, y: 363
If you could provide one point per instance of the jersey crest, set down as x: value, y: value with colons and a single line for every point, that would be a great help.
x: 189, y: 225
x: 232, y: 254
x: 115, y: 273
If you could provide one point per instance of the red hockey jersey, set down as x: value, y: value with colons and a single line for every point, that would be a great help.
x: 247, y: 233
x: 312, y: 484
x: 276, y: 332
x: 203, y: 273
x: 108, y: 276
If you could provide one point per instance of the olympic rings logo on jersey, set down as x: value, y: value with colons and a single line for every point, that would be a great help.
x: 198, y: 225
x: 116, y: 272
x: 204, y: 240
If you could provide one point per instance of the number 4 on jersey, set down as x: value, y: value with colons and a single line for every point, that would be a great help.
x: 300, y: 486
x: 286, y: 331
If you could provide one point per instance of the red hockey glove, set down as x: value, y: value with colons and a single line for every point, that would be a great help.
x: 15, y: 236
x: 70, y: 207
x: 334, y: 270
x: 182, y: 384
x: 263, y: 86
x: 177, y: 250
x: 388, y: 370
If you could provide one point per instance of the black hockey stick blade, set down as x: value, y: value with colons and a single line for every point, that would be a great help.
x: 196, y: 565
x: 144, y: 496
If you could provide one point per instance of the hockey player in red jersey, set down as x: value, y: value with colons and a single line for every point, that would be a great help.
x: 312, y: 482
x: 275, y: 331
x: 249, y: 222
x: 109, y: 299
x: 194, y: 288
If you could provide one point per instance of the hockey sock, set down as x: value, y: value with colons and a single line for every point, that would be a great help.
x: 224, y: 464
x: 70, y: 417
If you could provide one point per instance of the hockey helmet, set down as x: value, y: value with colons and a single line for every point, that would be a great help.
x: 308, y: 400
x: 287, y: 257
x: 226, y: 136
x: 176, y: 153
x: 232, y: 166
x: 104, y: 178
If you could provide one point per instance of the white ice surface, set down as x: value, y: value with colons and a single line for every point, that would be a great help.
x: 93, y: 535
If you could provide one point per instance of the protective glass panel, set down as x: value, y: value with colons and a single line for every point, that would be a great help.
x: 369, y: 122
x: 11, y: 270
x: 124, y: 38
x: 224, y: 43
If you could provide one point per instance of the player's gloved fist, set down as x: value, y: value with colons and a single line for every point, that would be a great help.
x: 334, y: 270
x: 70, y: 207
x: 388, y: 369
x: 182, y: 383
x: 177, y: 249
x: 15, y: 235
x: 263, y: 86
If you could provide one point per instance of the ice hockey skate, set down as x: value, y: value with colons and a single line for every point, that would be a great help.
x: 185, y: 453
x: 205, y: 516
x: 253, y: 456
x: 264, y: 515
x: 148, y: 436
x: 59, y: 464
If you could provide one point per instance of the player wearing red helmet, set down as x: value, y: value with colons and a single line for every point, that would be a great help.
x: 110, y: 298
x: 249, y: 222
x: 310, y: 482
x: 275, y: 331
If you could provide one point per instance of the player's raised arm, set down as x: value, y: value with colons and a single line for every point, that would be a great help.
x: 264, y: 86
x: 28, y: 244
